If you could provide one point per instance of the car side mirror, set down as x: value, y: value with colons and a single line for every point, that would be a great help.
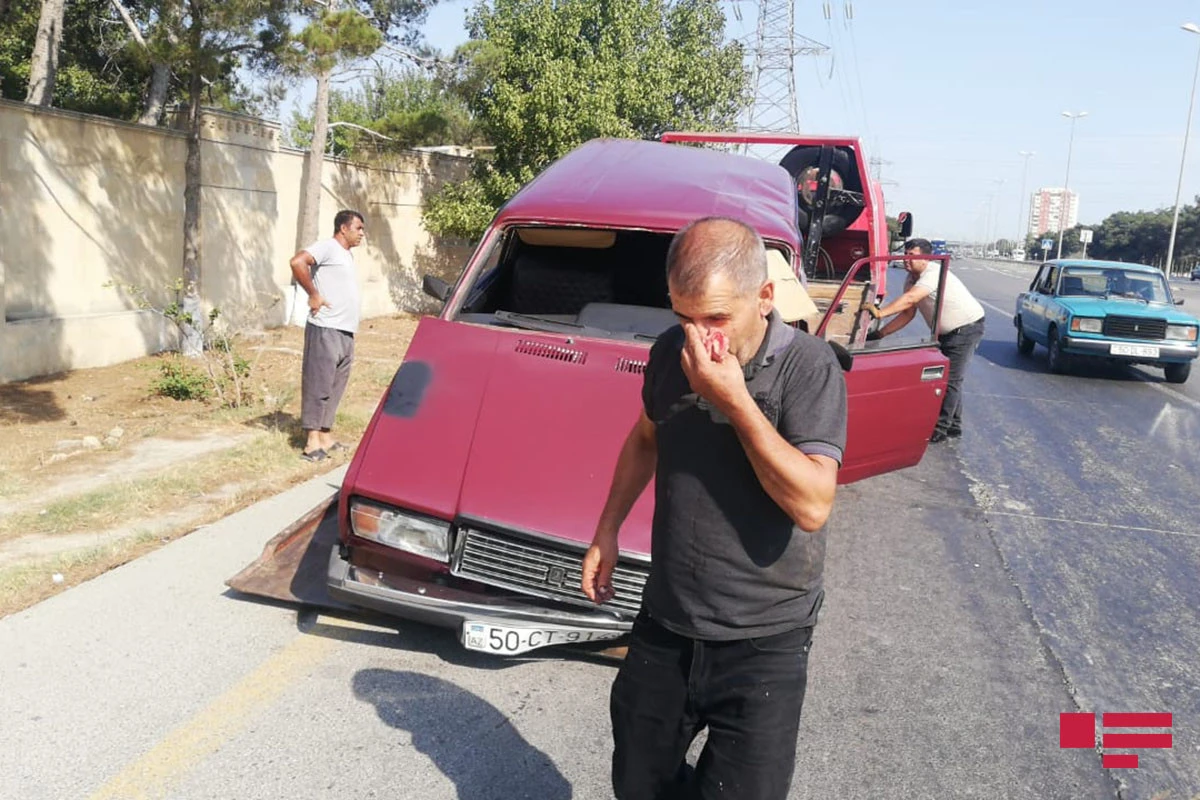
x: 435, y: 287
x: 906, y: 224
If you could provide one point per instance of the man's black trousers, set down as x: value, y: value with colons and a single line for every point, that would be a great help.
x: 748, y: 692
x: 958, y: 345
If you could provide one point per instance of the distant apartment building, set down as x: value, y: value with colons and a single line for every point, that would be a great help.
x: 1047, y: 214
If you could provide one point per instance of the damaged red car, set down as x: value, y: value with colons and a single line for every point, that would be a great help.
x: 477, y: 485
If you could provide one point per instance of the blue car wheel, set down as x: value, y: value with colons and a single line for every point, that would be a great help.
x: 1024, y: 343
x: 1056, y: 359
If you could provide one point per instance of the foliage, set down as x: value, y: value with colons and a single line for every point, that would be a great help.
x: 543, y: 76
x: 893, y: 226
x: 179, y: 380
x: 1133, y: 237
x: 1143, y: 236
x: 97, y: 74
x: 102, y: 70
x: 408, y: 106
x: 223, y: 372
x: 330, y: 37
x: 398, y: 20
x: 466, y: 208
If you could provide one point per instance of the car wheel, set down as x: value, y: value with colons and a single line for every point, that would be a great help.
x: 1177, y: 373
x: 1024, y: 343
x: 1056, y: 359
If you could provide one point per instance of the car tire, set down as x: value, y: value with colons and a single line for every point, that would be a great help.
x: 1056, y: 359
x: 1024, y: 343
x: 1177, y: 373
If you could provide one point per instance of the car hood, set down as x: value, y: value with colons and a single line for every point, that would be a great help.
x: 1100, y: 307
x: 518, y: 429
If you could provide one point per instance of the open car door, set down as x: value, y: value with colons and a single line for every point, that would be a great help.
x: 895, y: 386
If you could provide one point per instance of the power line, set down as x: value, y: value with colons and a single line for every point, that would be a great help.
x: 776, y: 45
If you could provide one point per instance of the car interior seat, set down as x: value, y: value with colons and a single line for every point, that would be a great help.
x: 1072, y: 285
x: 558, y: 281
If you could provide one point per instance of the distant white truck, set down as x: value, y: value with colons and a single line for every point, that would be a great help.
x: 1018, y: 254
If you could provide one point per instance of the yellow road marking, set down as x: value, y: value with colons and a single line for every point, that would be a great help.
x: 184, y: 748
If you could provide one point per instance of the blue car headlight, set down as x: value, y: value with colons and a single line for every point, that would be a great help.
x: 1185, y: 332
x: 1087, y: 324
x: 402, y: 530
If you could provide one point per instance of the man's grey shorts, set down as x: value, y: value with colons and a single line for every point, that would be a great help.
x: 328, y: 354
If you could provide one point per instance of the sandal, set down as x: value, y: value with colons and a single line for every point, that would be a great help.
x: 315, y: 455
x: 337, y: 446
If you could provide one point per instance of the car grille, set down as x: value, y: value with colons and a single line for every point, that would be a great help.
x: 1135, y: 327
x: 541, y: 569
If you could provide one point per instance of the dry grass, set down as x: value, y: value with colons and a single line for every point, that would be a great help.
x: 131, y: 516
x: 269, y: 457
x: 208, y: 490
x: 24, y: 585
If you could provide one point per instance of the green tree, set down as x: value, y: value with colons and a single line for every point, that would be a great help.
x: 333, y: 36
x: 94, y: 73
x: 201, y: 39
x: 110, y: 62
x: 893, y: 226
x: 408, y: 106
x: 1071, y: 246
x: 1141, y: 236
x: 546, y: 75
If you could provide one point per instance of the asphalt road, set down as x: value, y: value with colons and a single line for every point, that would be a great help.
x: 1046, y: 562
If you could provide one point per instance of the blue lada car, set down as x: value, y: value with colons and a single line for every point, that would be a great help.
x: 1106, y: 309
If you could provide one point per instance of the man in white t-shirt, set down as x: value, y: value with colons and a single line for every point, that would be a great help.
x: 959, y: 331
x: 326, y: 271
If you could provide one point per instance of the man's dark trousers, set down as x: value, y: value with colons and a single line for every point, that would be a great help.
x: 749, y: 693
x: 958, y: 345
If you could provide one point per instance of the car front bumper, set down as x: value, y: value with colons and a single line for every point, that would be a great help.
x: 449, y: 607
x: 1168, y: 352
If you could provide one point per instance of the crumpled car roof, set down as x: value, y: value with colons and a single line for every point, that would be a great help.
x: 630, y: 183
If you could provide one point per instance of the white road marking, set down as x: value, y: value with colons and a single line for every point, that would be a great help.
x: 1174, y: 395
x: 1041, y: 518
x: 996, y: 308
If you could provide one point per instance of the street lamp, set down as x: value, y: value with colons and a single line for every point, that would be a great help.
x: 994, y: 213
x: 1190, y: 27
x: 1025, y: 154
x: 1062, y: 222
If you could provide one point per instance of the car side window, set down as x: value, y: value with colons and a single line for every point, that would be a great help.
x: 1036, y: 284
x: 1051, y: 279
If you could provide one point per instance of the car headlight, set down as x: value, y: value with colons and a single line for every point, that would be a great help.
x: 1087, y: 324
x: 1185, y: 332
x: 412, y: 533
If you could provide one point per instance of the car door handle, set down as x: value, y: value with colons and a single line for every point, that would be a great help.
x: 932, y: 373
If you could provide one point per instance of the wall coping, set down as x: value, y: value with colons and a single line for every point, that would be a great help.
x: 94, y: 118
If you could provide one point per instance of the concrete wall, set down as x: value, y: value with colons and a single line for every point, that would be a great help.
x: 91, y: 214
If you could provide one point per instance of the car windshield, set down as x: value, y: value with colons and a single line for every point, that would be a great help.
x: 1113, y: 282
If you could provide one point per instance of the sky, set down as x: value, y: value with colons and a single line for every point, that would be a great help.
x: 947, y: 93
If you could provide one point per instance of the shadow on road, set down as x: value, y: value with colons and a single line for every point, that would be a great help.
x: 1004, y: 354
x: 467, y: 738
x: 415, y: 637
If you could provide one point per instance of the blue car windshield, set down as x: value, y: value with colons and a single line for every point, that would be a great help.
x: 1113, y: 282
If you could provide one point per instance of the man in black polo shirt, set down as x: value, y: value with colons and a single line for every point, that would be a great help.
x: 744, y: 445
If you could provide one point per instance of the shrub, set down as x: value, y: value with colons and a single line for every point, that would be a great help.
x: 180, y: 381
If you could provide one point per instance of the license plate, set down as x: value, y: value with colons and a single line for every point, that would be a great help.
x: 1138, y: 350
x: 512, y: 639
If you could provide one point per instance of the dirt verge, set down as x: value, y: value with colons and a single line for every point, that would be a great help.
x: 95, y: 469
